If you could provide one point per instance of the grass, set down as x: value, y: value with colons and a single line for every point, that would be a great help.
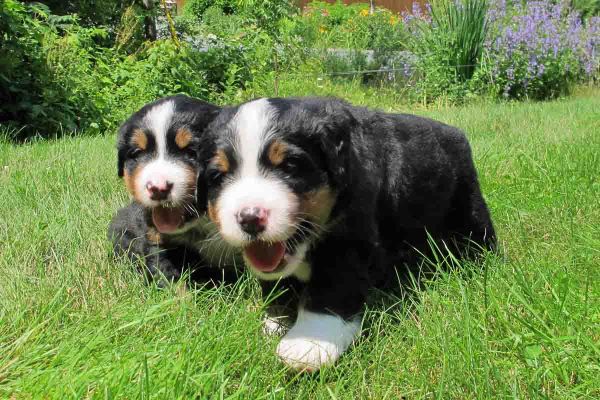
x: 74, y: 323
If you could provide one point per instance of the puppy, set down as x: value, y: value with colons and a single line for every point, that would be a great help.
x: 158, y: 158
x: 327, y: 199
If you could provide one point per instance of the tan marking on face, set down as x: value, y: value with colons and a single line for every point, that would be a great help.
x: 139, y: 139
x: 221, y: 161
x: 213, y: 214
x: 153, y: 235
x: 130, y: 180
x: 183, y: 137
x: 277, y: 152
x: 317, y: 204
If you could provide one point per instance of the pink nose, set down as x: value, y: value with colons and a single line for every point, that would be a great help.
x: 159, y: 190
x: 253, y: 220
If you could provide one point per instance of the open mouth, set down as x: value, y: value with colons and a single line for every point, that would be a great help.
x: 265, y: 256
x: 168, y: 219
x: 268, y: 257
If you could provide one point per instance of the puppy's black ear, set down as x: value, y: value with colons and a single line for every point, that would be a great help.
x: 121, y: 154
x: 202, y: 191
x: 121, y: 149
x: 335, y: 141
x: 204, y: 155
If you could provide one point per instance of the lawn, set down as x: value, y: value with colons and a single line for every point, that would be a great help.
x: 74, y: 323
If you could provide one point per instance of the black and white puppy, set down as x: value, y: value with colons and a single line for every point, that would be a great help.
x: 158, y: 156
x: 328, y: 198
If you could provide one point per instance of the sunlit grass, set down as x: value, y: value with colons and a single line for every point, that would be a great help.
x: 74, y: 323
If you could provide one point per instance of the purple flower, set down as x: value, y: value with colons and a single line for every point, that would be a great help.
x: 525, y: 38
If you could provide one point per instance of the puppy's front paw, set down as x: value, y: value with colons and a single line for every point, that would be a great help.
x: 305, y: 354
x: 316, y: 340
x: 273, y: 326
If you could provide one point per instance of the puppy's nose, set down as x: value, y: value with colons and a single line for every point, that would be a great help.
x: 159, y: 190
x: 253, y: 220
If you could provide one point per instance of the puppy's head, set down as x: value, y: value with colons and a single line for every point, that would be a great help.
x: 158, y: 157
x: 274, y: 175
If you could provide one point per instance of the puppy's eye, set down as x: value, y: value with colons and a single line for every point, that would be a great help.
x: 290, y: 166
x: 189, y: 152
x: 215, y: 175
x: 135, y: 153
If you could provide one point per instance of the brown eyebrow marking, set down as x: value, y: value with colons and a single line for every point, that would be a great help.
x: 139, y: 139
x: 183, y: 137
x: 221, y: 161
x: 277, y: 152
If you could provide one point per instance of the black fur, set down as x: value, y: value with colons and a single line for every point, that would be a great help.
x: 164, y: 262
x: 398, y: 179
x: 131, y: 226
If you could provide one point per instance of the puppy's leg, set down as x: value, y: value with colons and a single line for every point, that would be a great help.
x: 129, y: 234
x: 282, y: 303
x: 470, y: 219
x: 316, y: 340
x: 329, y: 318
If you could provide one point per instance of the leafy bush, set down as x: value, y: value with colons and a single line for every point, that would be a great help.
x: 69, y: 83
x: 350, y: 26
x: 159, y: 69
x: 195, y: 9
x: 538, y: 50
x: 40, y: 68
x: 448, y: 43
x: 242, y: 48
x: 348, y: 38
x: 587, y: 8
x: 90, y: 12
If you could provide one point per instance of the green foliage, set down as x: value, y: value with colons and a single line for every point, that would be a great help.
x: 264, y: 14
x: 267, y: 14
x: 159, y: 69
x: 90, y: 12
x: 338, y: 25
x: 449, y: 47
x: 339, y: 34
x: 70, y: 83
x: 196, y: 8
x: 44, y: 58
x: 538, y: 50
x: 587, y: 8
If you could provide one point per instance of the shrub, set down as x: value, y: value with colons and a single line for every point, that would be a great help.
x: 196, y: 8
x: 538, y: 50
x: 91, y: 12
x: 157, y: 70
x: 40, y: 68
x: 56, y: 78
x: 448, y: 42
x: 351, y: 26
x: 587, y: 8
x: 349, y: 38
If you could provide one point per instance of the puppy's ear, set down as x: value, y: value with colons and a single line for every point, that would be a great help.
x: 202, y: 191
x: 121, y: 154
x: 204, y: 155
x: 335, y: 141
x: 121, y: 149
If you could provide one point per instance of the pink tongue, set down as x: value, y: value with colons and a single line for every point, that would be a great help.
x: 263, y: 256
x: 167, y: 219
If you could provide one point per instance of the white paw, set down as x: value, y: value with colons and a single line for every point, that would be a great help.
x: 306, y: 354
x: 273, y: 326
x: 316, y: 340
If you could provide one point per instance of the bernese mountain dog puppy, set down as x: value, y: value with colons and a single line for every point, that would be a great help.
x: 328, y: 200
x: 158, y: 157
